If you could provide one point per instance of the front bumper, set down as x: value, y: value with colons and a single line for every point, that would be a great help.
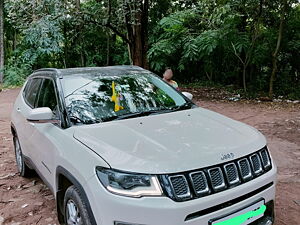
x: 108, y: 208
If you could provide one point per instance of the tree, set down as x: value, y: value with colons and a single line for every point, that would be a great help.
x: 136, y: 19
x: 40, y: 26
x: 129, y: 20
x: 276, y: 51
x: 241, y: 42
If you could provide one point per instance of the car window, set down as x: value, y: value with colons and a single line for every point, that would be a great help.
x: 99, y: 98
x: 47, y: 95
x: 25, y: 91
x: 31, y: 90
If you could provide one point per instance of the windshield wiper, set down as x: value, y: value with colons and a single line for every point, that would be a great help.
x: 187, y: 105
x: 134, y: 115
x: 76, y: 120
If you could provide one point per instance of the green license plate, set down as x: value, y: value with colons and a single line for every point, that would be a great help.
x: 243, y: 216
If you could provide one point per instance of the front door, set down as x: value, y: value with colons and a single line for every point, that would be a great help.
x: 44, y: 137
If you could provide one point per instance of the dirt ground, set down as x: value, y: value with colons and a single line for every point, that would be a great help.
x: 29, y: 201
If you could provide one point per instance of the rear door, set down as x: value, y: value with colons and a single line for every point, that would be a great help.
x: 25, y: 103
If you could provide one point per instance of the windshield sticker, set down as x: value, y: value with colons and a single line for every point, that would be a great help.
x: 116, y: 98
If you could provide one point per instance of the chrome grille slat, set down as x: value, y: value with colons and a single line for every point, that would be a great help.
x: 245, y: 170
x: 256, y: 164
x: 216, y: 179
x: 199, y: 183
x: 180, y: 187
x: 231, y: 173
x: 265, y: 159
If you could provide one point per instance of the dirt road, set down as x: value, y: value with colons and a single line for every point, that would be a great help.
x: 28, y: 201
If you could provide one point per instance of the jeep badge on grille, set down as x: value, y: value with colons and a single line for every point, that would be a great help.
x: 227, y: 156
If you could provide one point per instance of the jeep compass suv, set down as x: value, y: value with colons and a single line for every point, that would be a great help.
x: 119, y: 146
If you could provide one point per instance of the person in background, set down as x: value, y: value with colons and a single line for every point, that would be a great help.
x: 167, y: 77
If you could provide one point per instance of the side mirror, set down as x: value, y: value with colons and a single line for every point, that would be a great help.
x: 41, y: 115
x: 188, y: 95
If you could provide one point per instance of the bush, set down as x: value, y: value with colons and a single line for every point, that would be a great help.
x: 15, y: 74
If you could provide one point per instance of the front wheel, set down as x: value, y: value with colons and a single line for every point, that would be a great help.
x: 23, y: 169
x: 75, y: 208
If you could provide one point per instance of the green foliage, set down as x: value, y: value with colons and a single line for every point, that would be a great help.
x: 208, y: 41
x: 39, y: 32
x: 215, y: 40
x: 16, y: 72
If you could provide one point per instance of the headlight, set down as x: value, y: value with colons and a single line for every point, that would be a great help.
x: 132, y: 185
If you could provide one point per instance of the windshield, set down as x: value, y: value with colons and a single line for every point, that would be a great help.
x: 94, y: 99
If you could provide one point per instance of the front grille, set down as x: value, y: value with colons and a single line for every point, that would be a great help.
x: 194, y: 184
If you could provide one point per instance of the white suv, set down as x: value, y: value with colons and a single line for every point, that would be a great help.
x: 119, y: 146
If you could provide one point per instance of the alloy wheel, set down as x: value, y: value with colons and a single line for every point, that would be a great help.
x: 19, y: 156
x: 73, y: 213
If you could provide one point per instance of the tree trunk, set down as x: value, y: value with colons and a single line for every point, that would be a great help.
x: 111, y: 38
x: 137, y: 33
x: 245, y: 64
x: 77, y: 4
x: 15, y: 41
x: 83, y: 57
x: 80, y: 38
x: 136, y: 15
x: 108, y: 58
x: 275, y: 53
x: 1, y: 40
x: 145, y: 33
x: 136, y: 47
x: 272, y: 78
x: 209, y: 75
x: 244, y: 77
x: 65, y: 55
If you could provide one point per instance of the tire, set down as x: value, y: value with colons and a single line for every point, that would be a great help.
x: 75, y: 208
x: 23, y: 169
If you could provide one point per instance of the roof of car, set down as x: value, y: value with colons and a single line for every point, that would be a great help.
x: 106, y: 71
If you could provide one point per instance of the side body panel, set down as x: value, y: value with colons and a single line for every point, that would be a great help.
x: 25, y: 130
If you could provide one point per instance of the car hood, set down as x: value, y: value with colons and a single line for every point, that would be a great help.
x: 170, y: 142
